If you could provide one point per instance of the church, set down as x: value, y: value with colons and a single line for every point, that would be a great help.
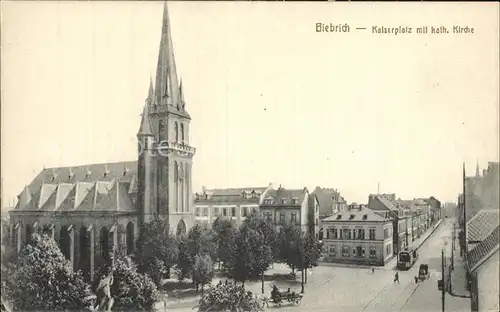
x: 92, y: 210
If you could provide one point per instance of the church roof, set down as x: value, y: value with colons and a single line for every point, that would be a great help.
x: 110, y: 186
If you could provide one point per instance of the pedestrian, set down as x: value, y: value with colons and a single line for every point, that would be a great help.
x: 396, y: 278
x: 416, y: 280
x: 373, y: 270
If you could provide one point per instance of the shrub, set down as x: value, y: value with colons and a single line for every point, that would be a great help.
x: 131, y: 290
x: 229, y: 297
x: 45, y: 279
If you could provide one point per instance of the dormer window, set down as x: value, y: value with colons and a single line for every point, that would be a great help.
x: 197, y: 196
x: 294, y: 201
x: 205, y: 196
x: 351, y: 217
x: 365, y: 217
x: 268, y: 201
x: 244, y: 194
x: 339, y: 217
x: 88, y: 174
x: 283, y: 201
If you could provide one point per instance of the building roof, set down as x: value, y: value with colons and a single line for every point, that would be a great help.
x: 231, y: 195
x: 276, y: 196
x: 482, y: 224
x: 484, y: 249
x: 386, y: 202
x: 81, y: 188
x: 362, y: 214
x: 325, y: 200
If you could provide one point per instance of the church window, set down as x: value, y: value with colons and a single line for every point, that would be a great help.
x: 182, y: 132
x: 176, y: 186
x: 161, y: 131
x: 176, y: 129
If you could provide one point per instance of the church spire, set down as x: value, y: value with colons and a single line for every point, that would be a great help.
x: 150, y: 92
x: 167, y: 87
x: 145, y: 128
x: 477, y: 169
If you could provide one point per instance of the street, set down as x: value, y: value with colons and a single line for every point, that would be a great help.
x: 331, y: 288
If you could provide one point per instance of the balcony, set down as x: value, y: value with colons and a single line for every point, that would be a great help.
x: 181, y: 148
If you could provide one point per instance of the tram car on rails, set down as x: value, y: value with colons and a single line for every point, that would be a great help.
x: 406, y: 259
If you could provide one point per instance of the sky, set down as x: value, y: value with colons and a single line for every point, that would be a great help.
x: 271, y: 99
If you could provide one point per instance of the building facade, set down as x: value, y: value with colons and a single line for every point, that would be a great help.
x: 93, y: 210
x: 233, y: 203
x: 357, y: 236
x: 291, y: 206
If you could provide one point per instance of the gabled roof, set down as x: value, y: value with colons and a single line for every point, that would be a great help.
x: 484, y: 249
x: 285, y: 194
x: 355, y: 215
x: 482, y: 224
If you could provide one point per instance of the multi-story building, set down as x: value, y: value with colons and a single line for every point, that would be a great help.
x: 330, y: 201
x: 358, y: 236
x: 291, y: 206
x: 385, y: 206
x: 95, y: 209
x: 232, y: 203
x: 436, y: 209
x: 482, y: 192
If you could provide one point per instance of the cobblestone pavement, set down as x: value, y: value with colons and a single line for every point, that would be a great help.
x: 331, y: 288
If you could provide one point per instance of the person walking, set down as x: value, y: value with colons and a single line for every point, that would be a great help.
x: 373, y: 270
x: 396, y: 278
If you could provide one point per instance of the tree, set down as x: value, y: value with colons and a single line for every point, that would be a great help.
x: 45, y: 279
x: 156, y: 250
x: 224, y: 230
x: 132, y: 290
x: 288, y: 242
x: 203, y: 271
x: 250, y: 256
x: 257, y: 222
x: 184, y: 265
x: 308, y: 251
x: 229, y: 297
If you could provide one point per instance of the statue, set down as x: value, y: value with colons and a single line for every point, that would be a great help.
x: 103, y: 292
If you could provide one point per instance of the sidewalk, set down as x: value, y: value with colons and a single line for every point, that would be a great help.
x: 457, y: 284
x: 415, y: 244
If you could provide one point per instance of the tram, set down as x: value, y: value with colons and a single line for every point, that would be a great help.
x: 406, y: 259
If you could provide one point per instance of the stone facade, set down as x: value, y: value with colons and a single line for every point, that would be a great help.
x: 357, y: 236
x: 92, y: 210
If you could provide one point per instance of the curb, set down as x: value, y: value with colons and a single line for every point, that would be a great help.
x: 430, y: 234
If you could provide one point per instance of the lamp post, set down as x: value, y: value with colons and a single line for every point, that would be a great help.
x: 442, y: 277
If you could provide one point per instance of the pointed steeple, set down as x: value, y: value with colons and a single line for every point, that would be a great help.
x: 181, y: 95
x: 151, y: 92
x: 145, y: 128
x: 477, y: 169
x: 166, y: 92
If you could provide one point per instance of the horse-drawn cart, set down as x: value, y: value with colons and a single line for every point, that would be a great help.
x: 278, y: 298
x: 423, y: 272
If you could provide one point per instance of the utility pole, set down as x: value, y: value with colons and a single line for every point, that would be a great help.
x: 452, y: 247
x: 443, y: 290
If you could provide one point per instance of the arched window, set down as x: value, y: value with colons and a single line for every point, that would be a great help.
x: 186, y: 183
x: 176, y: 186
x: 29, y: 232
x: 105, y: 243
x: 130, y: 238
x: 182, y: 132
x: 161, y: 131
x: 181, y: 187
x: 65, y: 241
x: 176, y: 129
x: 84, y: 252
